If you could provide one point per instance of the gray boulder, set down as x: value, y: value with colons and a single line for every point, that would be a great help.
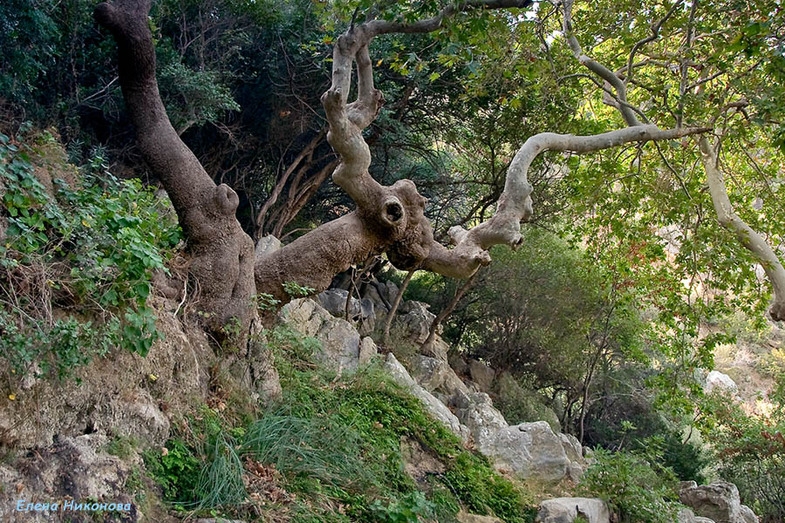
x: 476, y: 411
x: 437, y: 377
x: 482, y: 375
x: 362, y: 311
x: 718, y: 501
x: 436, y: 408
x: 529, y: 450
x: 465, y: 517
x: 340, y: 341
x: 566, y: 510
x: 717, y: 380
x: 368, y: 350
x: 415, y: 319
x: 687, y: 516
x: 266, y: 246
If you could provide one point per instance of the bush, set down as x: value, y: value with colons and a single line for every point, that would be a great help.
x: 77, y: 260
x: 634, y: 489
x: 749, y: 450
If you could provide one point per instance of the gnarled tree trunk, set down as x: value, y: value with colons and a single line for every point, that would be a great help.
x: 221, y: 253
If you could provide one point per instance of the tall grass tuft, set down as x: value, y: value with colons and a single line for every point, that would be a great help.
x: 221, y: 480
x: 320, y: 448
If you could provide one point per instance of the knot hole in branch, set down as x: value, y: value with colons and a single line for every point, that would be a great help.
x: 392, y: 212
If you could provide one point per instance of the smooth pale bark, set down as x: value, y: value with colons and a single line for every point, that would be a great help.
x: 747, y: 236
x: 515, y: 205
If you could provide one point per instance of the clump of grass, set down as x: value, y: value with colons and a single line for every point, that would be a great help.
x: 221, y: 480
x: 321, y: 448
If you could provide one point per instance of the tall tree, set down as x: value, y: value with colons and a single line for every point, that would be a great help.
x: 388, y: 219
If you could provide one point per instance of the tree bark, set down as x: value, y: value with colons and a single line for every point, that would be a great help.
x: 221, y: 253
x: 747, y: 236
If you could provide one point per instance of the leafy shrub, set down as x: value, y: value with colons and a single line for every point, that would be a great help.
x: 749, y: 450
x: 76, y: 261
x: 176, y: 469
x: 633, y: 488
x: 409, y: 509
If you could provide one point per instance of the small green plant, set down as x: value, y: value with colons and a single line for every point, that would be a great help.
x: 295, y: 290
x: 176, y: 469
x: 266, y: 302
x: 409, y: 509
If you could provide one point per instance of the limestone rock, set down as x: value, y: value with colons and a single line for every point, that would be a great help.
x: 436, y: 408
x: 687, y: 516
x: 416, y: 319
x: 266, y: 246
x: 122, y: 394
x: 566, y: 510
x: 718, y: 501
x: 716, y: 380
x: 71, y: 470
x: 529, y: 450
x: 368, y: 350
x: 435, y: 375
x: 340, y: 341
x: 457, y: 363
x: 362, y: 311
x: 484, y: 422
x: 465, y: 517
x: 482, y: 375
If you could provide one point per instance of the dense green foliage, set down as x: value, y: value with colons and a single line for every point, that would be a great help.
x: 77, y: 259
x: 634, y: 489
x: 750, y: 450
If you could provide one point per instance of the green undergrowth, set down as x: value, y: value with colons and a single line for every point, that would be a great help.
x: 77, y: 252
x: 330, y: 450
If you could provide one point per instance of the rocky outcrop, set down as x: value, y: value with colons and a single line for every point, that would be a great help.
x: 465, y: 517
x: 566, y: 510
x: 415, y: 320
x: 340, y: 340
x: 476, y: 411
x: 482, y: 375
x: 687, y: 516
x: 436, y: 376
x: 718, y: 501
x: 122, y: 394
x: 433, y: 406
x: 529, y: 450
x: 361, y: 312
x: 69, y: 480
x: 717, y: 380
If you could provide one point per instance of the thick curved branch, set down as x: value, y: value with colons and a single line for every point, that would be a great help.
x: 515, y: 206
x: 747, y: 236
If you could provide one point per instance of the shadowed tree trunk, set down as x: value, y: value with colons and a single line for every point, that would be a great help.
x: 221, y: 254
